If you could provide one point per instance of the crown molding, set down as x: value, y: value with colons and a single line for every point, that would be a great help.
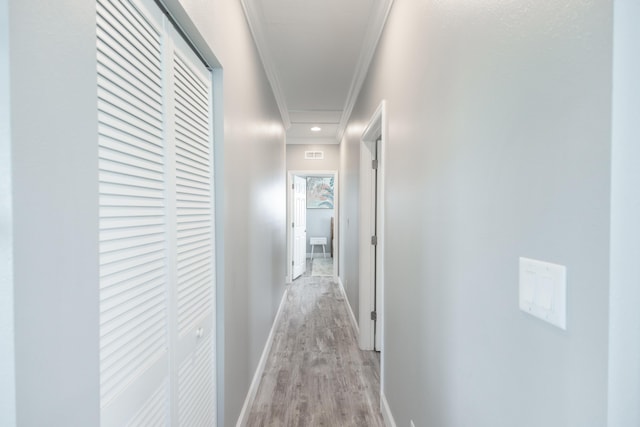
x: 372, y: 37
x: 312, y: 141
x: 255, y: 19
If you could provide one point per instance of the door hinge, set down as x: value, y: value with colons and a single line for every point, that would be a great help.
x: 374, y: 240
x: 374, y: 164
x: 293, y: 263
x: 374, y: 315
x: 293, y: 225
x: 293, y: 186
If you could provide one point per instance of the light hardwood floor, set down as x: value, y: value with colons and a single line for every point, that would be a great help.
x: 315, y: 374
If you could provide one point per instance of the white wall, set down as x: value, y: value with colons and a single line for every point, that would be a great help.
x: 55, y: 211
x: 54, y: 149
x: 499, y: 147
x: 319, y: 225
x: 296, y: 160
x: 624, y: 329
x: 349, y: 252
x: 7, y: 349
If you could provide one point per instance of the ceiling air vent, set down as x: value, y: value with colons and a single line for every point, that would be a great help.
x: 314, y: 155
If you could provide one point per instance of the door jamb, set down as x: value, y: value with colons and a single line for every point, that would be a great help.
x: 377, y: 127
x: 290, y: 207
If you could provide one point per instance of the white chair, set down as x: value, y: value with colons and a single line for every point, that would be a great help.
x: 313, y: 241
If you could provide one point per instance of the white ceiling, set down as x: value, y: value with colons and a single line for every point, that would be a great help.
x: 316, y: 54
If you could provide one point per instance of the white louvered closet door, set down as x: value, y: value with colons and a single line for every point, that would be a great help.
x: 192, y: 161
x: 156, y: 222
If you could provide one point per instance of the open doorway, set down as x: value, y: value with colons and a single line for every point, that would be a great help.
x: 312, y: 215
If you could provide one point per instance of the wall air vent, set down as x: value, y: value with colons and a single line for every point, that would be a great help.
x: 314, y: 155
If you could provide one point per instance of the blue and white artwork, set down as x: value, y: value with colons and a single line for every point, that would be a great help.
x: 319, y: 192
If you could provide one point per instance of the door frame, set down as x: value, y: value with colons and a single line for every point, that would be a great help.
x: 370, y: 258
x: 290, y: 207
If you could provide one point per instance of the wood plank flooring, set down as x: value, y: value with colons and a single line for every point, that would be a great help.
x: 315, y: 374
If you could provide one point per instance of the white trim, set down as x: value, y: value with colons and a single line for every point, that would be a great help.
x: 369, y: 46
x: 255, y: 19
x: 352, y: 316
x: 255, y: 382
x: 386, y: 412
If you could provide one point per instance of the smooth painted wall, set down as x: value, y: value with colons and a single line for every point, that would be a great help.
x: 349, y: 253
x: 7, y: 343
x: 624, y: 339
x: 54, y: 167
x: 498, y: 147
x: 319, y: 225
x: 55, y: 205
x: 297, y: 162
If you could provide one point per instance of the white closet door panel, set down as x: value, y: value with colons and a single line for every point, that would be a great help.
x: 189, y: 83
x: 191, y: 155
x: 130, y: 178
x: 125, y: 20
x: 156, y: 235
x: 126, y: 45
x: 124, y: 118
x: 111, y: 71
x: 133, y: 217
x: 116, y: 199
x: 194, y: 250
x: 193, y: 158
x: 195, y: 387
x: 138, y: 108
x: 132, y: 242
x: 144, y: 402
x: 117, y: 139
x: 154, y: 412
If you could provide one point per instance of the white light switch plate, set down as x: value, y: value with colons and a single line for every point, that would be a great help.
x: 543, y: 291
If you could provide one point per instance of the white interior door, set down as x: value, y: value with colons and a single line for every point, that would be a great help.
x: 134, y: 222
x: 299, y: 226
x: 193, y: 266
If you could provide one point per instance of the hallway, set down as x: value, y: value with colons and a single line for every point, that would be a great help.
x: 315, y: 374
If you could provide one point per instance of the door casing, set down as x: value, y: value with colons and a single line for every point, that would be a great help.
x: 371, y: 294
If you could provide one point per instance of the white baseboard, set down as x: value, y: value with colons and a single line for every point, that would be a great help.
x: 255, y: 383
x: 386, y: 412
x: 352, y: 316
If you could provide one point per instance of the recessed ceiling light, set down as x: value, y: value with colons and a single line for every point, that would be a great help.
x: 316, y: 129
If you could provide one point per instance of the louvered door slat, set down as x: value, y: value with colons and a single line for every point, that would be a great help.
x: 192, y: 163
x: 189, y: 78
x: 112, y: 54
x: 133, y: 305
x: 129, y: 20
x: 196, y: 124
x: 108, y: 70
x: 153, y: 412
x: 189, y: 86
x: 195, y: 384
